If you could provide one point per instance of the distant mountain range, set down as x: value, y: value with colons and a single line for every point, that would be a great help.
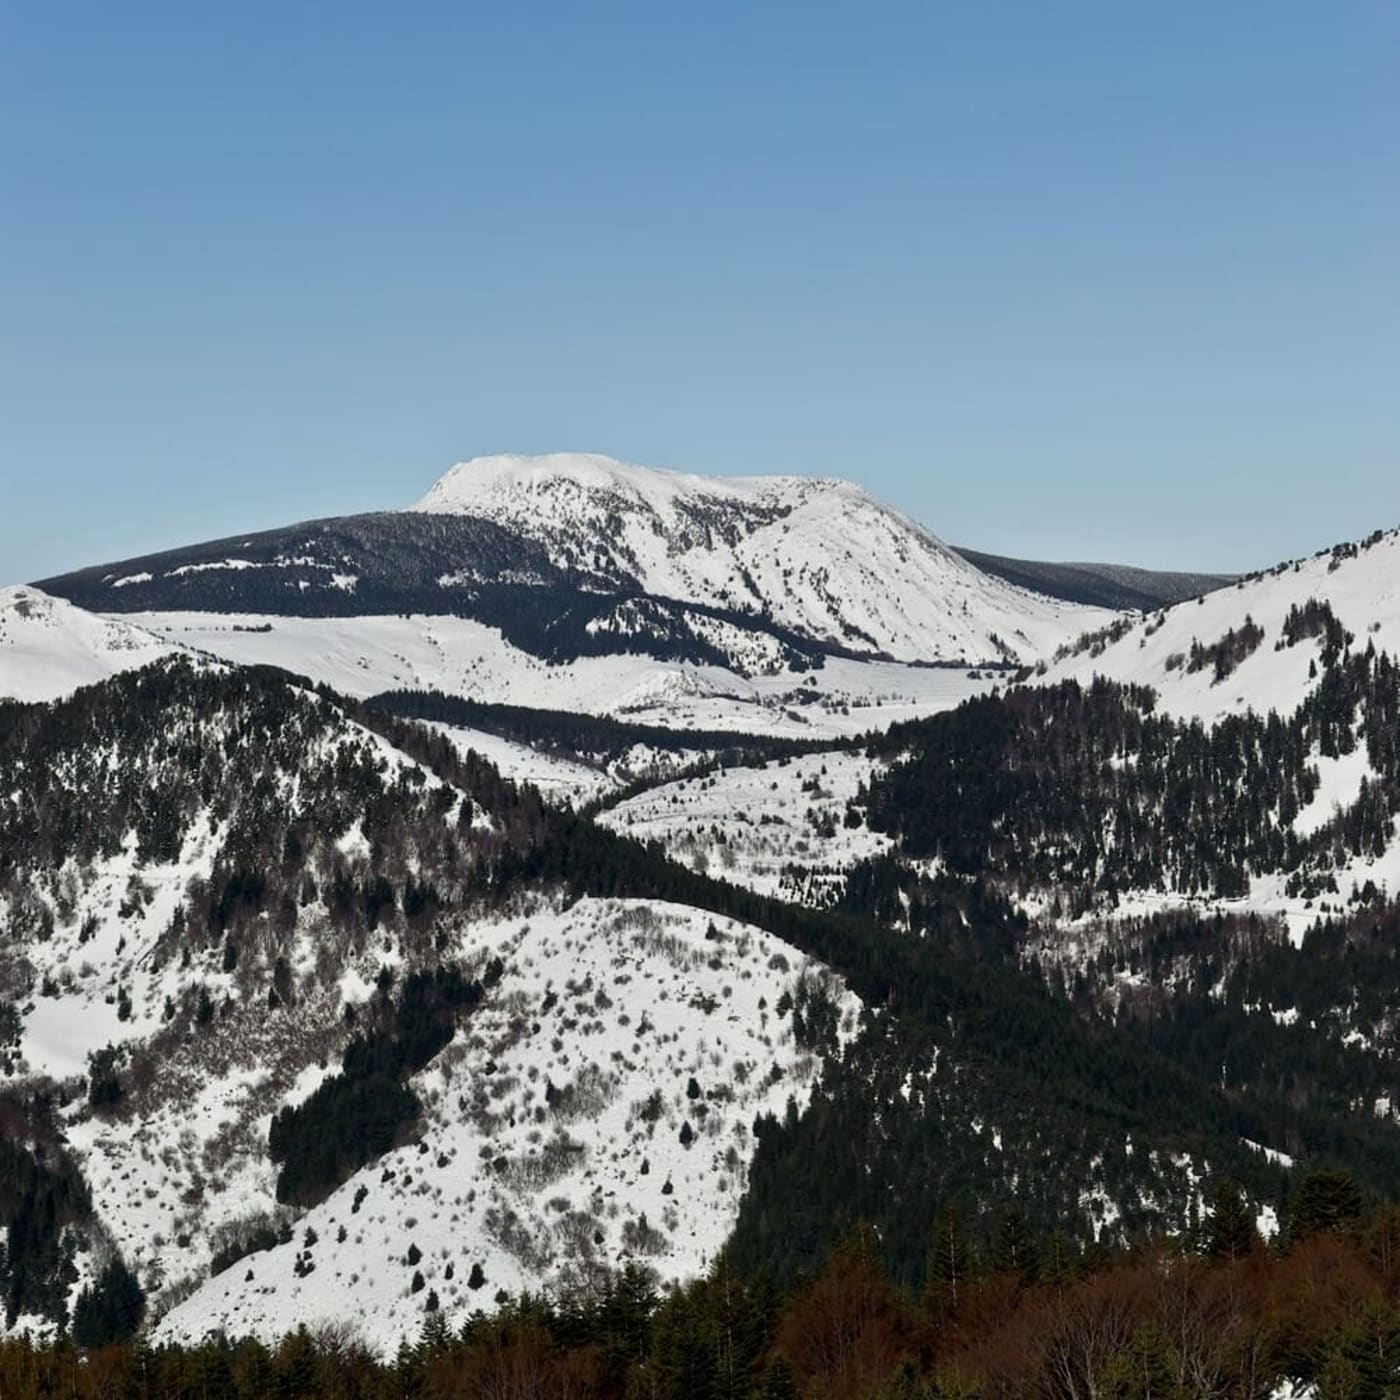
x: 593, y: 867
x: 569, y: 581
x: 572, y: 555
x: 1117, y: 586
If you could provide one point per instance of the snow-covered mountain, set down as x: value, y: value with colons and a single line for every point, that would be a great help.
x: 1254, y: 645
x: 570, y: 555
x: 822, y: 558
x: 770, y: 605
x: 48, y: 647
x: 591, y: 1113
x: 1302, y: 642
x: 335, y: 1021
x: 216, y: 886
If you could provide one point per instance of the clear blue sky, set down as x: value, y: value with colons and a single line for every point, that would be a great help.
x: 1108, y: 280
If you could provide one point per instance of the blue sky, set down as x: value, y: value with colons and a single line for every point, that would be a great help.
x: 1072, y: 281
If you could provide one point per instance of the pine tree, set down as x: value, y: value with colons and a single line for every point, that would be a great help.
x: 625, y: 1314
x: 296, y: 1362
x: 435, y: 1338
x: 1014, y: 1249
x: 111, y: 1310
x: 776, y: 1381
x: 1229, y: 1229
x: 949, y: 1263
x: 1375, y: 1346
x: 681, y: 1363
x: 1059, y: 1263
x: 738, y: 1314
x: 1327, y: 1200
x: 1144, y: 1370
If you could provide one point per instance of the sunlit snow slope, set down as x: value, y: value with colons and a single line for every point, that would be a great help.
x: 190, y: 912
x: 49, y: 648
x: 779, y: 828
x: 1360, y: 583
x: 821, y: 557
x: 1268, y: 644
x: 596, y: 1111
x: 364, y: 656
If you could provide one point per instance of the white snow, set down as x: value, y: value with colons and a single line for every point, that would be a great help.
x: 1363, y: 591
x: 819, y: 556
x: 1339, y: 785
x: 612, y: 1003
x: 1270, y: 1154
x: 49, y: 648
x: 212, y: 566
x: 779, y: 829
x: 362, y: 656
x: 558, y: 778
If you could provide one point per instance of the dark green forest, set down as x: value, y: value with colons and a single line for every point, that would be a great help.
x: 1002, y: 1313
x: 1089, y: 792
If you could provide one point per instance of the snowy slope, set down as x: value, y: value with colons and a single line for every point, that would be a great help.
x: 779, y: 828
x: 570, y: 779
x: 97, y: 953
x: 554, y: 1139
x: 49, y: 648
x: 773, y: 605
x: 1353, y: 588
x: 560, y: 779
x: 553, y: 1145
x: 820, y: 557
x: 1360, y: 583
x: 364, y: 656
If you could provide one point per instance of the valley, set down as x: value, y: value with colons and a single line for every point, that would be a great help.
x: 656, y: 903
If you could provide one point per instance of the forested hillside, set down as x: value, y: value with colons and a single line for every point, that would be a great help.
x: 265, y: 942
x: 1089, y: 791
x: 218, y: 870
x: 307, y: 1011
x: 1004, y: 1314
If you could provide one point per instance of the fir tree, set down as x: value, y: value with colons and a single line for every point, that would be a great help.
x: 111, y: 1310
x: 949, y: 1263
x: 1014, y: 1249
x: 1326, y: 1201
x: 1230, y: 1232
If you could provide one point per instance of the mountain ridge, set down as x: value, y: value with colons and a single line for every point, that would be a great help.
x: 1120, y: 586
x: 576, y: 554
x: 1063, y: 906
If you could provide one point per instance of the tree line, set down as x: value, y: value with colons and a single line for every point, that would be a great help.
x: 1218, y: 1312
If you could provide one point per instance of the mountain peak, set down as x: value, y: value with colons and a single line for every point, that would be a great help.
x: 576, y: 553
x: 819, y: 557
x: 490, y: 481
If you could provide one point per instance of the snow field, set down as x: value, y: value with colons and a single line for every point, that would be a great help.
x: 49, y: 648
x: 779, y: 829
x: 553, y: 1142
x: 821, y: 557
